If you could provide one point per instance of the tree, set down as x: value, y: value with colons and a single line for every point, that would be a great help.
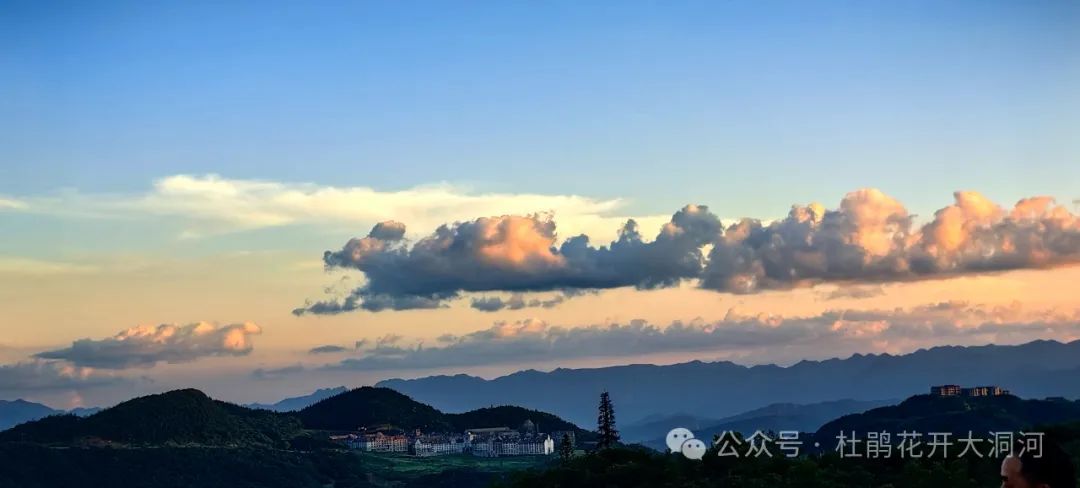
x: 566, y: 448
x: 608, y: 436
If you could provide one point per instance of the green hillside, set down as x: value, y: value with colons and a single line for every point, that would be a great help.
x: 367, y: 406
x: 183, y: 438
x: 373, y: 406
x: 189, y: 417
x: 177, y: 417
x: 928, y: 413
x: 508, y: 416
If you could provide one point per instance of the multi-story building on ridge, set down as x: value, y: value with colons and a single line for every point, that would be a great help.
x: 945, y: 390
x: 438, y: 445
x: 975, y: 391
x: 380, y: 442
x: 982, y: 391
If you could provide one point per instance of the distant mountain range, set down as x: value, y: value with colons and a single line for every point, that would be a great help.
x: 775, y: 417
x: 14, y: 412
x: 721, y: 389
x: 293, y: 404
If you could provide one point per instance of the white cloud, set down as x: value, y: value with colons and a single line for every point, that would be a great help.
x: 11, y: 204
x: 210, y: 204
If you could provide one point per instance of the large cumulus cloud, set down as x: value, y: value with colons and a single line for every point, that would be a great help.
x: 869, y: 237
x: 145, y: 346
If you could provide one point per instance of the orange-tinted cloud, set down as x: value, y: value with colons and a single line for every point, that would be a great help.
x: 145, y: 346
x: 870, y: 237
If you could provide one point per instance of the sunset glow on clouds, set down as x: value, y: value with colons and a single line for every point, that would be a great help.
x: 81, y: 366
x: 666, y: 182
x: 145, y: 346
x: 867, y: 276
x: 870, y: 237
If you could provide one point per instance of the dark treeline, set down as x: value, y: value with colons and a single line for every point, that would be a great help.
x: 629, y: 467
x: 34, y: 466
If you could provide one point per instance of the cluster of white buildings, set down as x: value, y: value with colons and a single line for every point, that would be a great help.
x: 439, y: 445
x: 496, y: 443
x: 486, y: 442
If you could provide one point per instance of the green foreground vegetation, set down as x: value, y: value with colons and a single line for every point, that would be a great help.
x: 34, y: 466
x: 457, y: 470
x: 389, y: 465
x: 630, y: 467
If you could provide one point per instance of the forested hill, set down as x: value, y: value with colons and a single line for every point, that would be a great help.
x: 367, y: 406
x: 373, y: 406
x: 956, y: 414
x: 183, y: 438
x: 189, y: 417
x: 177, y: 417
x: 509, y: 416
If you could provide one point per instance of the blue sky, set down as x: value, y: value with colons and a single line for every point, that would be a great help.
x: 746, y: 106
x: 190, y: 162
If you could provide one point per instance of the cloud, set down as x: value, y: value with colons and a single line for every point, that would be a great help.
x: 37, y: 375
x: 11, y: 204
x: 870, y: 237
x: 145, y: 346
x: 516, y: 253
x: 328, y: 349
x: 334, y: 348
x: 371, y: 303
x: 853, y: 292
x: 211, y: 204
x: 765, y: 338
x: 517, y: 301
x: 386, y: 340
x: 277, y: 373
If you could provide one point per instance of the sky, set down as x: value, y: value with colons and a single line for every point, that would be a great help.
x: 258, y: 199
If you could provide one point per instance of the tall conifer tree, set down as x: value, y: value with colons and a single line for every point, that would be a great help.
x: 605, y: 424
